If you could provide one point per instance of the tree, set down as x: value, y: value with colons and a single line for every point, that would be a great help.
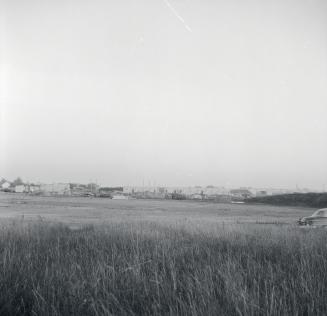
x: 17, y: 181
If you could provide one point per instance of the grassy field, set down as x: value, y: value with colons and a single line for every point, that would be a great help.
x: 81, y: 211
x: 158, y: 258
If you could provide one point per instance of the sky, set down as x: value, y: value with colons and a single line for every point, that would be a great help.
x: 164, y: 92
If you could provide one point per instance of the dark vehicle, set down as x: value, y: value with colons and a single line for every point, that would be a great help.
x: 318, y: 218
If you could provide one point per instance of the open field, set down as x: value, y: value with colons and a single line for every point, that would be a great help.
x: 81, y: 211
x: 158, y: 258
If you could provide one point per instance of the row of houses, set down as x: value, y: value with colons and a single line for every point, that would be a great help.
x: 51, y: 189
x: 63, y: 189
x: 210, y: 192
x: 72, y: 189
x: 216, y: 193
x: 193, y: 193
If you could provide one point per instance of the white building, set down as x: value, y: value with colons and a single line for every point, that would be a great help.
x: 20, y: 188
x: 119, y: 197
x: 196, y: 196
x: 5, y: 185
x: 55, y: 189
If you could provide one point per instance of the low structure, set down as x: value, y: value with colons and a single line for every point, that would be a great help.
x: 82, y: 190
x: 162, y: 192
x: 241, y: 193
x: 119, y: 197
x: 55, y: 189
x: 196, y: 196
x: 21, y: 188
x: 110, y: 191
x: 4, y: 184
x: 34, y: 188
x: 221, y: 198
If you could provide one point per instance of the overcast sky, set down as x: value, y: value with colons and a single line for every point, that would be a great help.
x: 172, y: 92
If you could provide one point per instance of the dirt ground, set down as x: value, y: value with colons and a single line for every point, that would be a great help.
x: 85, y: 210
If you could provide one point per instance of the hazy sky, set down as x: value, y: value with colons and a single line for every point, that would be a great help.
x: 176, y: 92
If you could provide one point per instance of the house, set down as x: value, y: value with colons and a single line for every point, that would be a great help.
x: 241, y: 193
x: 79, y: 189
x: 110, y: 191
x: 34, y: 188
x: 93, y: 188
x: 20, y: 188
x: 4, y: 184
x: 55, y: 189
x: 261, y: 193
x: 221, y: 198
x: 119, y: 195
x: 196, y: 196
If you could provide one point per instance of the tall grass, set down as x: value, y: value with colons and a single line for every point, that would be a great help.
x: 148, y: 269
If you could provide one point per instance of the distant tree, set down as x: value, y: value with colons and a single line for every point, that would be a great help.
x: 17, y: 181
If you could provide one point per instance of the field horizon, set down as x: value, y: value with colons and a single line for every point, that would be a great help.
x: 81, y: 211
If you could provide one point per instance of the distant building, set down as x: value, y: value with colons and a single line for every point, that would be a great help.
x: 173, y: 192
x: 110, y: 191
x: 221, y: 198
x: 55, y: 189
x: 178, y: 196
x: 4, y: 184
x: 21, y: 188
x: 261, y: 193
x: 81, y: 190
x: 33, y: 188
x: 153, y: 195
x: 241, y: 193
x: 138, y: 189
x: 93, y: 188
x: 213, y: 191
x: 196, y: 196
x: 119, y: 197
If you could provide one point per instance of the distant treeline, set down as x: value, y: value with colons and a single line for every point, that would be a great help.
x: 318, y: 200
